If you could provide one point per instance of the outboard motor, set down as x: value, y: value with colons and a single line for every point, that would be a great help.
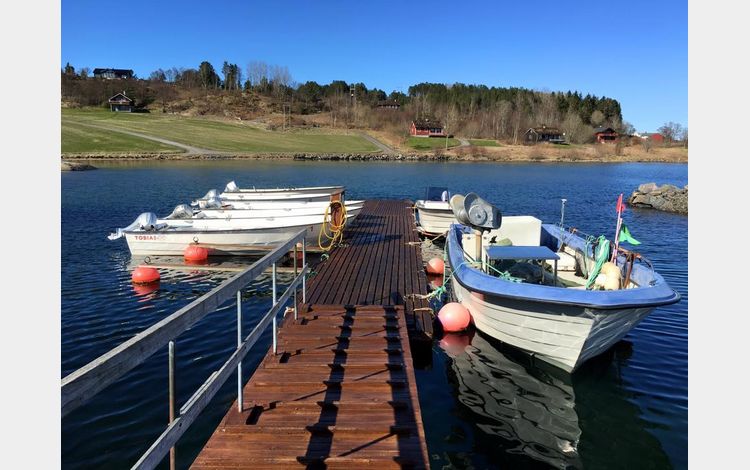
x: 212, y: 203
x: 183, y: 211
x: 147, y: 221
x: 481, y: 214
x: 475, y: 212
x: 231, y: 188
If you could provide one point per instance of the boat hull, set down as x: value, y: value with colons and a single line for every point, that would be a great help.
x: 562, y: 326
x: 562, y: 335
x: 218, y: 242
x: 435, y: 219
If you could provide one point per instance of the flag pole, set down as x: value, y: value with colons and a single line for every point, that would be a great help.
x: 617, y: 230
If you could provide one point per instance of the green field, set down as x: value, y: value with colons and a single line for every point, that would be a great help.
x: 197, y: 132
x: 77, y: 138
x: 430, y: 143
x: 484, y: 143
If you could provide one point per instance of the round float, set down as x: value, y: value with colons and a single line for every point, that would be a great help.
x: 454, y: 317
x: 145, y: 275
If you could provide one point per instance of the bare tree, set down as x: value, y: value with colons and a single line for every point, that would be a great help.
x: 597, y: 118
x: 257, y: 73
x: 671, y: 131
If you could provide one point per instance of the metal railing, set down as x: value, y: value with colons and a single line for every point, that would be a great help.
x: 82, y: 385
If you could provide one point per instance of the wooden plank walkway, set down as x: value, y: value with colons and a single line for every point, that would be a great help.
x: 380, y: 263
x: 341, y: 392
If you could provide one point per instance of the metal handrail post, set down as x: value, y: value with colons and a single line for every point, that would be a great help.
x: 172, y: 454
x: 304, y: 263
x: 239, y: 343
x: 295, y: 275
x: 273, y: 296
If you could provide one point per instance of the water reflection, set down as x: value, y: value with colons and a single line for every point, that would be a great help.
x: 527, y: 415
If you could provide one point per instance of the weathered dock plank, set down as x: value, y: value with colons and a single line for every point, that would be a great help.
x: 340, y: 392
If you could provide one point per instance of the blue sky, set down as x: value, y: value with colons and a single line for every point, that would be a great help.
x: 635, y: 52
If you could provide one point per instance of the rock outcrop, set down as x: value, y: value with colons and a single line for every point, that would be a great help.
x: 667, y: 198
x: 75, y: 166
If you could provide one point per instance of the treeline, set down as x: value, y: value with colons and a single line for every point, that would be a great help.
x: 466, y: 110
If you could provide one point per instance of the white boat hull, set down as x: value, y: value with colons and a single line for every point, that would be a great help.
x: 278, y: 210
x: 562, y: 335
x: 218, y: 242
x: 434, y: 218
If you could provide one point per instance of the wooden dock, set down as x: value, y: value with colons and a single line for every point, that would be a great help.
x: 340, y: 392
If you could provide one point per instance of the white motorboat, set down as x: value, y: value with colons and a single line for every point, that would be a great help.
x: 434, y: 214
x: 309, y: 194
x: 276, y: 193
x: 269, y: 210
x: 563, y: 317
x: 170, y: 237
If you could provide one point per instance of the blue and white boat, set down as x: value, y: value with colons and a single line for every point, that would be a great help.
x: 541, y: 288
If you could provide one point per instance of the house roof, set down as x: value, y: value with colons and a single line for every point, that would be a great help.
x: 545, y: 130
x: 120, y: 97
x: 601, y: 129
x: 118, y: 71
x: 427, y: 123
x: 387, y: 103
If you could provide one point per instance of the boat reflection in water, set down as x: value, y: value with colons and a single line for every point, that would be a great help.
x: 533, y: 416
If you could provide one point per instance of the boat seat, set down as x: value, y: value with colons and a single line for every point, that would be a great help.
x: 567, y: 262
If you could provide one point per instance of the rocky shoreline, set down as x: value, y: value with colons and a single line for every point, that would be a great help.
x: 666, y: 198
x: 75, y: 166
x: 363, y: 157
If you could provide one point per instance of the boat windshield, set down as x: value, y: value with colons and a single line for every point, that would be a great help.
x: 437, y: 193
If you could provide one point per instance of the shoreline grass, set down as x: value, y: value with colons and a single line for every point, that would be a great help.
x: 202, y: 133
x: 430, y: 143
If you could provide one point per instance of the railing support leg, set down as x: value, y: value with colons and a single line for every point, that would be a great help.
x: 240, y: 405
x: 273, y: 297
x: 304, y: 263
x: 172, y: 417
x: 295, y: 275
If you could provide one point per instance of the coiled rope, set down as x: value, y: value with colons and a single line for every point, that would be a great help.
x: 330, y: 231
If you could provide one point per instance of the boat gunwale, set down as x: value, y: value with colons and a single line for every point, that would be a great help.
x: 656, y: 295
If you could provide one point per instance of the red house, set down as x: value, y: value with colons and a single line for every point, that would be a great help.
x: 426, y: 128
x: 605, y: 135
x: 656, y: 138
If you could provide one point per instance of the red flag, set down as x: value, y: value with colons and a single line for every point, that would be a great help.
x: 620, y: 205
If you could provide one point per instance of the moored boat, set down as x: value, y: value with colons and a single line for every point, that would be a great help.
x: 151, y: 236
x: 540, y: 288
x: 265, y: 211
x: 434, y: 214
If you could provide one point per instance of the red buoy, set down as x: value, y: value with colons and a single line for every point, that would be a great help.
x: 454, y: 317
x: 145, y: 275
x: 435, y: 266
x: 196, y: 253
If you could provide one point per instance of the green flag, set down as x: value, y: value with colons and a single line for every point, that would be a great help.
x: 625, y: 236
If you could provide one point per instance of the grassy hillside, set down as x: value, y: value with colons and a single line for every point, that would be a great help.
x: 484, y: 143
x: 77, y: 138
x: 430, y: 143
x: 211, y: 134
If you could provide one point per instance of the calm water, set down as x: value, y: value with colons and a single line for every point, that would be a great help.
x: 484, y: 405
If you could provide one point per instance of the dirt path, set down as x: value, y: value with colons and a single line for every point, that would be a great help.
x: 464, y: 142
x: 189, y: 150
x: 383, y: 148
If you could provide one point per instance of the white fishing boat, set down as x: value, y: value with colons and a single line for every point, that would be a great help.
x: 277, y: 193
x: 237, y: 211
x: 544, y: 289
x: 434, y: 214
x: 149, y: 235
